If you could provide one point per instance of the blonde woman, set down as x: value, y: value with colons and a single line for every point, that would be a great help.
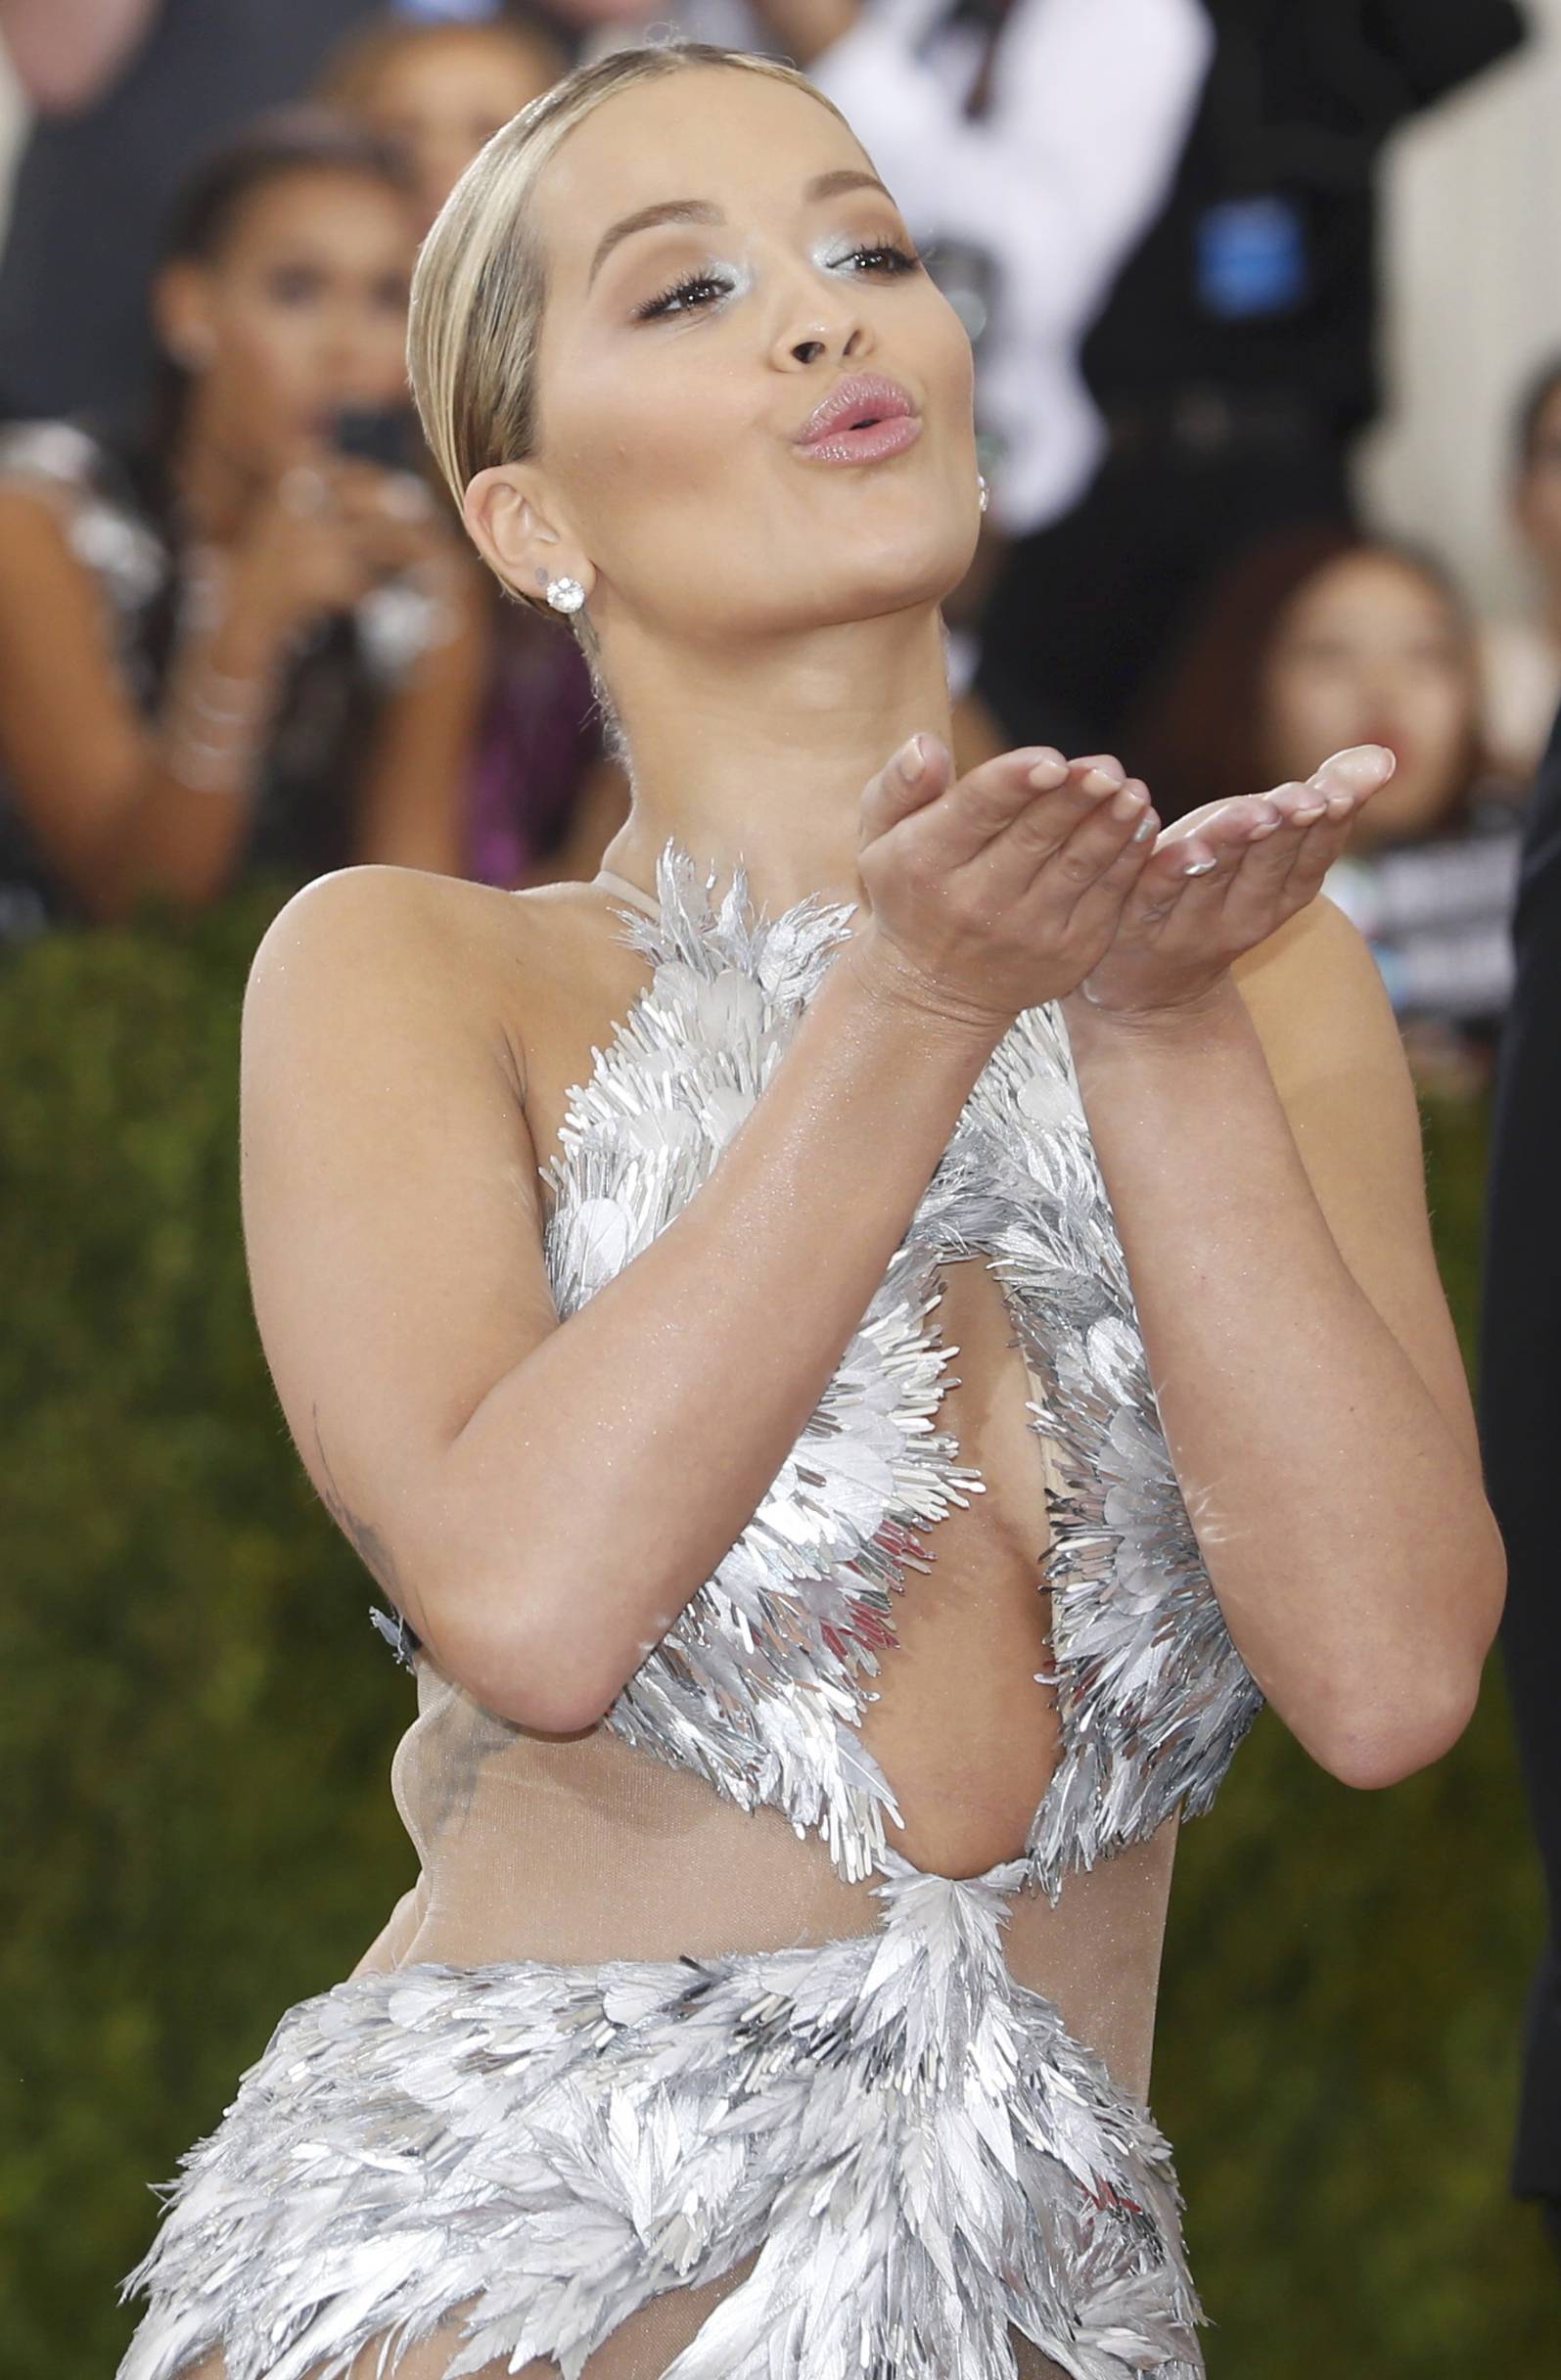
x: 795, y: 1801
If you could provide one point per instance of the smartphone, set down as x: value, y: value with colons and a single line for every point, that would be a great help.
x: 390, y: 435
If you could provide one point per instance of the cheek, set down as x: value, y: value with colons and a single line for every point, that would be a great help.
x: 1310, y: 713
x: 668, y: 454
x: 268, y: 346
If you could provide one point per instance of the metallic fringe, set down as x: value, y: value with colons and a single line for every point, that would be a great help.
x: 918, y: 2151
x: 915, y: 2147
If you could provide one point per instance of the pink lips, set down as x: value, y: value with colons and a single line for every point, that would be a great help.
x: 862, y: 418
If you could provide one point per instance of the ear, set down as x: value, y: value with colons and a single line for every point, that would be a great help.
x: 504, y: 512
x: 182, y: 314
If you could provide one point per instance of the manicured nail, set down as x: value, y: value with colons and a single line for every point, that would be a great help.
x: 911, y: 759
x: 1128, y: 803
x: 1099, y: 782
x: 1146, y: 827
x: 1200, y: 867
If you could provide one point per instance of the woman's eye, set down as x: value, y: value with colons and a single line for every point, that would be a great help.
x: 878, y: 255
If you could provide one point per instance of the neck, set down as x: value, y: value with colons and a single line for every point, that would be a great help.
x: 215, y: 484
x: 761, y: 756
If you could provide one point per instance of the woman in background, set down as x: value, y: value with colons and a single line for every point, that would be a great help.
x: 546, y: 792
x: 225, y: 644
x: 1318, y: 638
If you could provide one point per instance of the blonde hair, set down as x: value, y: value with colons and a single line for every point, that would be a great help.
x: 479, y: 290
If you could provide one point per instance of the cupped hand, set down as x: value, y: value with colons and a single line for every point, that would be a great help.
x: 1224, y: 878
x: 1000, y: 890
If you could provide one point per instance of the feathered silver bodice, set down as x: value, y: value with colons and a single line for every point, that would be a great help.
x: 760, y: 1682
x: 915, y: 2156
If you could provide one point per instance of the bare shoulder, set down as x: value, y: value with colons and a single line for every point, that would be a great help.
x: 402, y: 962
x: 377, y: 944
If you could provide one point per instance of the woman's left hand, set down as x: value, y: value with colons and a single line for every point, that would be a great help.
x: 1224, y: 878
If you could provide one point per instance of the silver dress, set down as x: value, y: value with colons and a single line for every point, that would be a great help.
x: 905, y: 2163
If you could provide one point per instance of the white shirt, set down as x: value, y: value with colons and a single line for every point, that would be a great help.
x: 1092, y: 101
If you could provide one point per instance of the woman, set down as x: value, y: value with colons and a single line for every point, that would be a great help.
x: 750, y: 2016
x: 545, y: 798
x: 231, y: 645
x: 1320, y: 638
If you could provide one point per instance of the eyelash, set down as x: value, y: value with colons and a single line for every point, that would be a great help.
x: 904, y: 260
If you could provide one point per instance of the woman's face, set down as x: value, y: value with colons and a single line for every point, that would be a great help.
x: 440, y: 97
x: 1371, y: 652
x: 301, y: 313
x: 679, y: 363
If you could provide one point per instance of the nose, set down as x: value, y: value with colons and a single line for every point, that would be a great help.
x: 820, y: 315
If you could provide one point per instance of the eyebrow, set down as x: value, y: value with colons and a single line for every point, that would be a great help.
x: 700, y: 210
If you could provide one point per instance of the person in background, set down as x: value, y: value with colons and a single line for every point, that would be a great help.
x: 436, y: 88
x: 1235, y: 361
x: 1520, y: 1428
x: 231, y: 645
x: 127, y: 96
x: 1321, y: 638
x: 1522, y: 657
x: 543, y: 797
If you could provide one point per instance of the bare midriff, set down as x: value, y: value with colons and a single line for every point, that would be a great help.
x: 575, y: 1850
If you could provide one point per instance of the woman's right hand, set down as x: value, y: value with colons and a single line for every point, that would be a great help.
x: 311, y: 544
x: 998, y: 891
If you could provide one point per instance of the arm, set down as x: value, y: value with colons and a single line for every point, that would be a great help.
x: 96, y: 780
x: 411, y: 813
x: 1062, y: 177
x: 1263, y: 1153
x: 521, y: 1487
x: 68, y: 52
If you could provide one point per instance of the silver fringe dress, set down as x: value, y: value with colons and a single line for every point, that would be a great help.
x: 915, y: 2153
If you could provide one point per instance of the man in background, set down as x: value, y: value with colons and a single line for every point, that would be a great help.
x: 1520, y: 1424
x: 1235, y: 360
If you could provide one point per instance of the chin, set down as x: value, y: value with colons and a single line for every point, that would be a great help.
x: 924, y: 565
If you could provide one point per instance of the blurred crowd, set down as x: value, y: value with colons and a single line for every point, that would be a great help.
x: 241, y: 628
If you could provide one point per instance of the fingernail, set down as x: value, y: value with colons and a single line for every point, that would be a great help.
x: 1264, y: 822
x: 1200, y: 867
x: 1305, y: 817
x: 1147, y: 826
x: 911, y: 759
x: 1128, y: 803
x: 1099, y: 782
x: 1048, y: 771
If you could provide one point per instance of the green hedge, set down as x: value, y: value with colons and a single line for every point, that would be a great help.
x: 199, y: 1723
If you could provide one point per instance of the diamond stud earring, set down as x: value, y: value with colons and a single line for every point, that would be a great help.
x: 984, y: 491
x: 565, y: 594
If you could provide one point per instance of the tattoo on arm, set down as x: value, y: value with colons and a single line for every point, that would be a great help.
x: 362, y: 1535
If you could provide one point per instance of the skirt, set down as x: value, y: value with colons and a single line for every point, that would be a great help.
x: 901, y: 2159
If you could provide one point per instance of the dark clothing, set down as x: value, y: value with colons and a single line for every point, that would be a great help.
x: 1262, y: 272
x: 540, y: 736
x: 92, y: 191
x: 1520, y: 1419
x: 1081, y: 615
x: 1236, y: 356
